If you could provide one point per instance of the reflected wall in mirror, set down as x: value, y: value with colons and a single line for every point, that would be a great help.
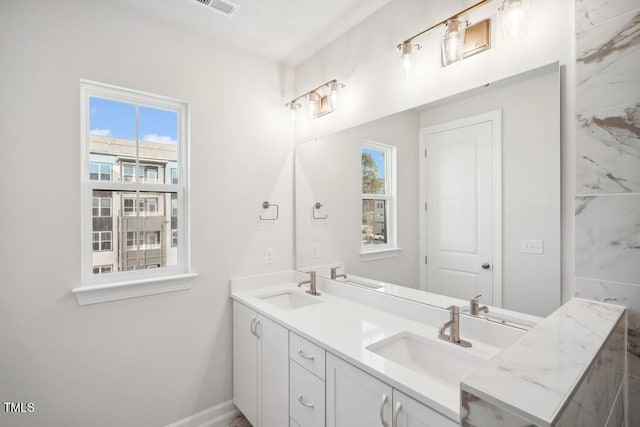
x: 360, y: 197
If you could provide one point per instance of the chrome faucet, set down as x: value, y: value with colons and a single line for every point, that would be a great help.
x: 454, y: 328
x: 312, y: 284
x: 335, y: 275
x: 475, y: 308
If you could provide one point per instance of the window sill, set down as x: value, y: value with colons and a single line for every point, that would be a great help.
x: 132, y: 288
x: 380, y: 254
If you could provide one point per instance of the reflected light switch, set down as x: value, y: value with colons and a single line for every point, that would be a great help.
x: 532, y: 246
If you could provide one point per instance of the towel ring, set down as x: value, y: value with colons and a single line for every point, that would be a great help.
x: 315, y: 208
x: 267, y: 205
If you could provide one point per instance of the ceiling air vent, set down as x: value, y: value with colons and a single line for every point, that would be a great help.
x: 224, y: 7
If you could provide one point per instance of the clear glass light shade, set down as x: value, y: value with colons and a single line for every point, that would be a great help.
x: 514, y: 17
x: 312, y: 105
x: 407, y: 60
x: 453, y: 40
x: 333, y: 94
x: 293, y: 110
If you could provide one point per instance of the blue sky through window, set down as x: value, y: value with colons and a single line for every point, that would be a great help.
x: 378, y: 158
x: 118, y: 119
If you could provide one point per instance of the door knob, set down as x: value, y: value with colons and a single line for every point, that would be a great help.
x: 486, y: 265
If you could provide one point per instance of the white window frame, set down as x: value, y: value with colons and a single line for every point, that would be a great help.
x: 100, y: 207
x: 389, y: 249
x: 102, y: 268
x: 96, y: 288
x: 102, y: 239
x: 100, y: 164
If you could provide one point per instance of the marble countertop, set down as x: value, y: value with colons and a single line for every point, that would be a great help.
x: 536, y: 375
x: 345, y: 328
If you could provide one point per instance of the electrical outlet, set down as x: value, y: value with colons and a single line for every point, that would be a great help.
x: 315, y: 250
x: 268, y: 255
x: 532, y: 246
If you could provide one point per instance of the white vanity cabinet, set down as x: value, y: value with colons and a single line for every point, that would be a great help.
x: 356, y: 398
x: 408, y: 412
x: 260, y: 368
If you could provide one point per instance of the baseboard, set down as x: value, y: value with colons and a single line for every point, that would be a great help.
x: 216, y: 416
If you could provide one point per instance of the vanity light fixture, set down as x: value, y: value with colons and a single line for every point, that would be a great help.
x: 320, y: 101
x: 452, y: 40
x: 293, y: 107
x: 514, y: 19
x: 407, y: 57
x: 514, y: 24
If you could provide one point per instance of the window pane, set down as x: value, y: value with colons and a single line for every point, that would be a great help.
x: 129, y: 240
x: 112, y: 133
x: 373, y: 171
x: 151, y: 174
x: 93, y: 171
x: 95, y: 206
x: 105, y: 172
x: 159, y: 141
x: 105, y: 207
x: 174, y: 175
x: 374, y: 222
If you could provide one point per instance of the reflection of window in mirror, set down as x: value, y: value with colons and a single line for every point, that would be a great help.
x: 378, y: 197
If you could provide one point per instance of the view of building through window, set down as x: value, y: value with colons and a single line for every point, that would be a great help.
x: 375, y: 193
x: 136, y: 144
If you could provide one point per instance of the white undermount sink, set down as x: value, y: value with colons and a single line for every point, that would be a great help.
x: 442, y: 361
x: 289, y: 300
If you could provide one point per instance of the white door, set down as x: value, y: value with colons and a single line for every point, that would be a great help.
x: 245, y: 362
x: 459, y: 177
x: 355, y: 398
x: 273, y: 373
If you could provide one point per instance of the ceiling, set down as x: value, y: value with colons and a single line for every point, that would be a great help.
x: 288, y: 31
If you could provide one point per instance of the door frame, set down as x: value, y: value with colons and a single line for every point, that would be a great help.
x: 495, y: 117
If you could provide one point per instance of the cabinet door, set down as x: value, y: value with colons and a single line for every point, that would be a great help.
x: 355, y: 398
x: 408, y: 412
x: 245, y: 362
x: 273, y: 374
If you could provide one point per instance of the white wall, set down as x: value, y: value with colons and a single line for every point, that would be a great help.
x: 366, y: 60
x: 530, y: 185
x: 144, y: 361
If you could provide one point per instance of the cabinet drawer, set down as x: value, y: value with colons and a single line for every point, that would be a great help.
x: 307, y: 354
x: 306, y: 397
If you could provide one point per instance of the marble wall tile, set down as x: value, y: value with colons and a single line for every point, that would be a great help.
x: 607, y: 58
x: 608, y: 151
x: 632, y: 402
x: 607, y: 233
x: 592, y: 401
x: 618, y: 412
x: 475, y: 412
x: 622, y: 294
x: 593, y: 12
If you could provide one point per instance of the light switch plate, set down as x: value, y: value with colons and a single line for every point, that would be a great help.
x: 532, y: 246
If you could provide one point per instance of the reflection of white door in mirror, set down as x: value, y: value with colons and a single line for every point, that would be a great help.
x: 460, y: 191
